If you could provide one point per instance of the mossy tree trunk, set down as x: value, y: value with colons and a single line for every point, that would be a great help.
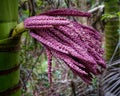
x: 111, y: 34
x: 9, y: 67
x: 111, y: 28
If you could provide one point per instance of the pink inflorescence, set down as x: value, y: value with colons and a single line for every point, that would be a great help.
x: 79, y: 46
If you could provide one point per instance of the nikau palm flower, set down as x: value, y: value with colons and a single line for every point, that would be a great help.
x: 79, y: 46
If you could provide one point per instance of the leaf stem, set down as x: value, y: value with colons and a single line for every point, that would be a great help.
x: 19, y: 29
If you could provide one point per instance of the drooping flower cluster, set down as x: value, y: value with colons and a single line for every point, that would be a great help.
x: 79, y: 46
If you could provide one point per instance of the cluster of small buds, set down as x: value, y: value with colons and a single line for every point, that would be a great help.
x: 49, y: 56
x: 38, y: 22
x: 79, y: 46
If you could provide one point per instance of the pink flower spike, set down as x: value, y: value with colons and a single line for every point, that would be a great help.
x: 38, y: 26
x: 44, y: 17
x: 66, y: 12
x: 49, y: 57
x: 37, y: 22
x: 47, y: 22
x: 79, y: 46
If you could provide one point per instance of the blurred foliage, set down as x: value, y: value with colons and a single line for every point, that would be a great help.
x: 110, y: 16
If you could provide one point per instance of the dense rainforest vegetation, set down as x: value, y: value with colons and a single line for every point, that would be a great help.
x: 59, y: 47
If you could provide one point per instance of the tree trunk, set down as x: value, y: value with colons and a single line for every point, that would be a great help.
x: 81, y: 5
x: 9, y: 67
x: 111, y: 29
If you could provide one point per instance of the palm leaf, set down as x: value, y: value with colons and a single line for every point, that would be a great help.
x: 111, y: 78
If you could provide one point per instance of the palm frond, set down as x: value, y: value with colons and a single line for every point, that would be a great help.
x: 111, y: 80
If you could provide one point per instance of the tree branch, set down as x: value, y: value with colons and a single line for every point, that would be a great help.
x: 96, y: 9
